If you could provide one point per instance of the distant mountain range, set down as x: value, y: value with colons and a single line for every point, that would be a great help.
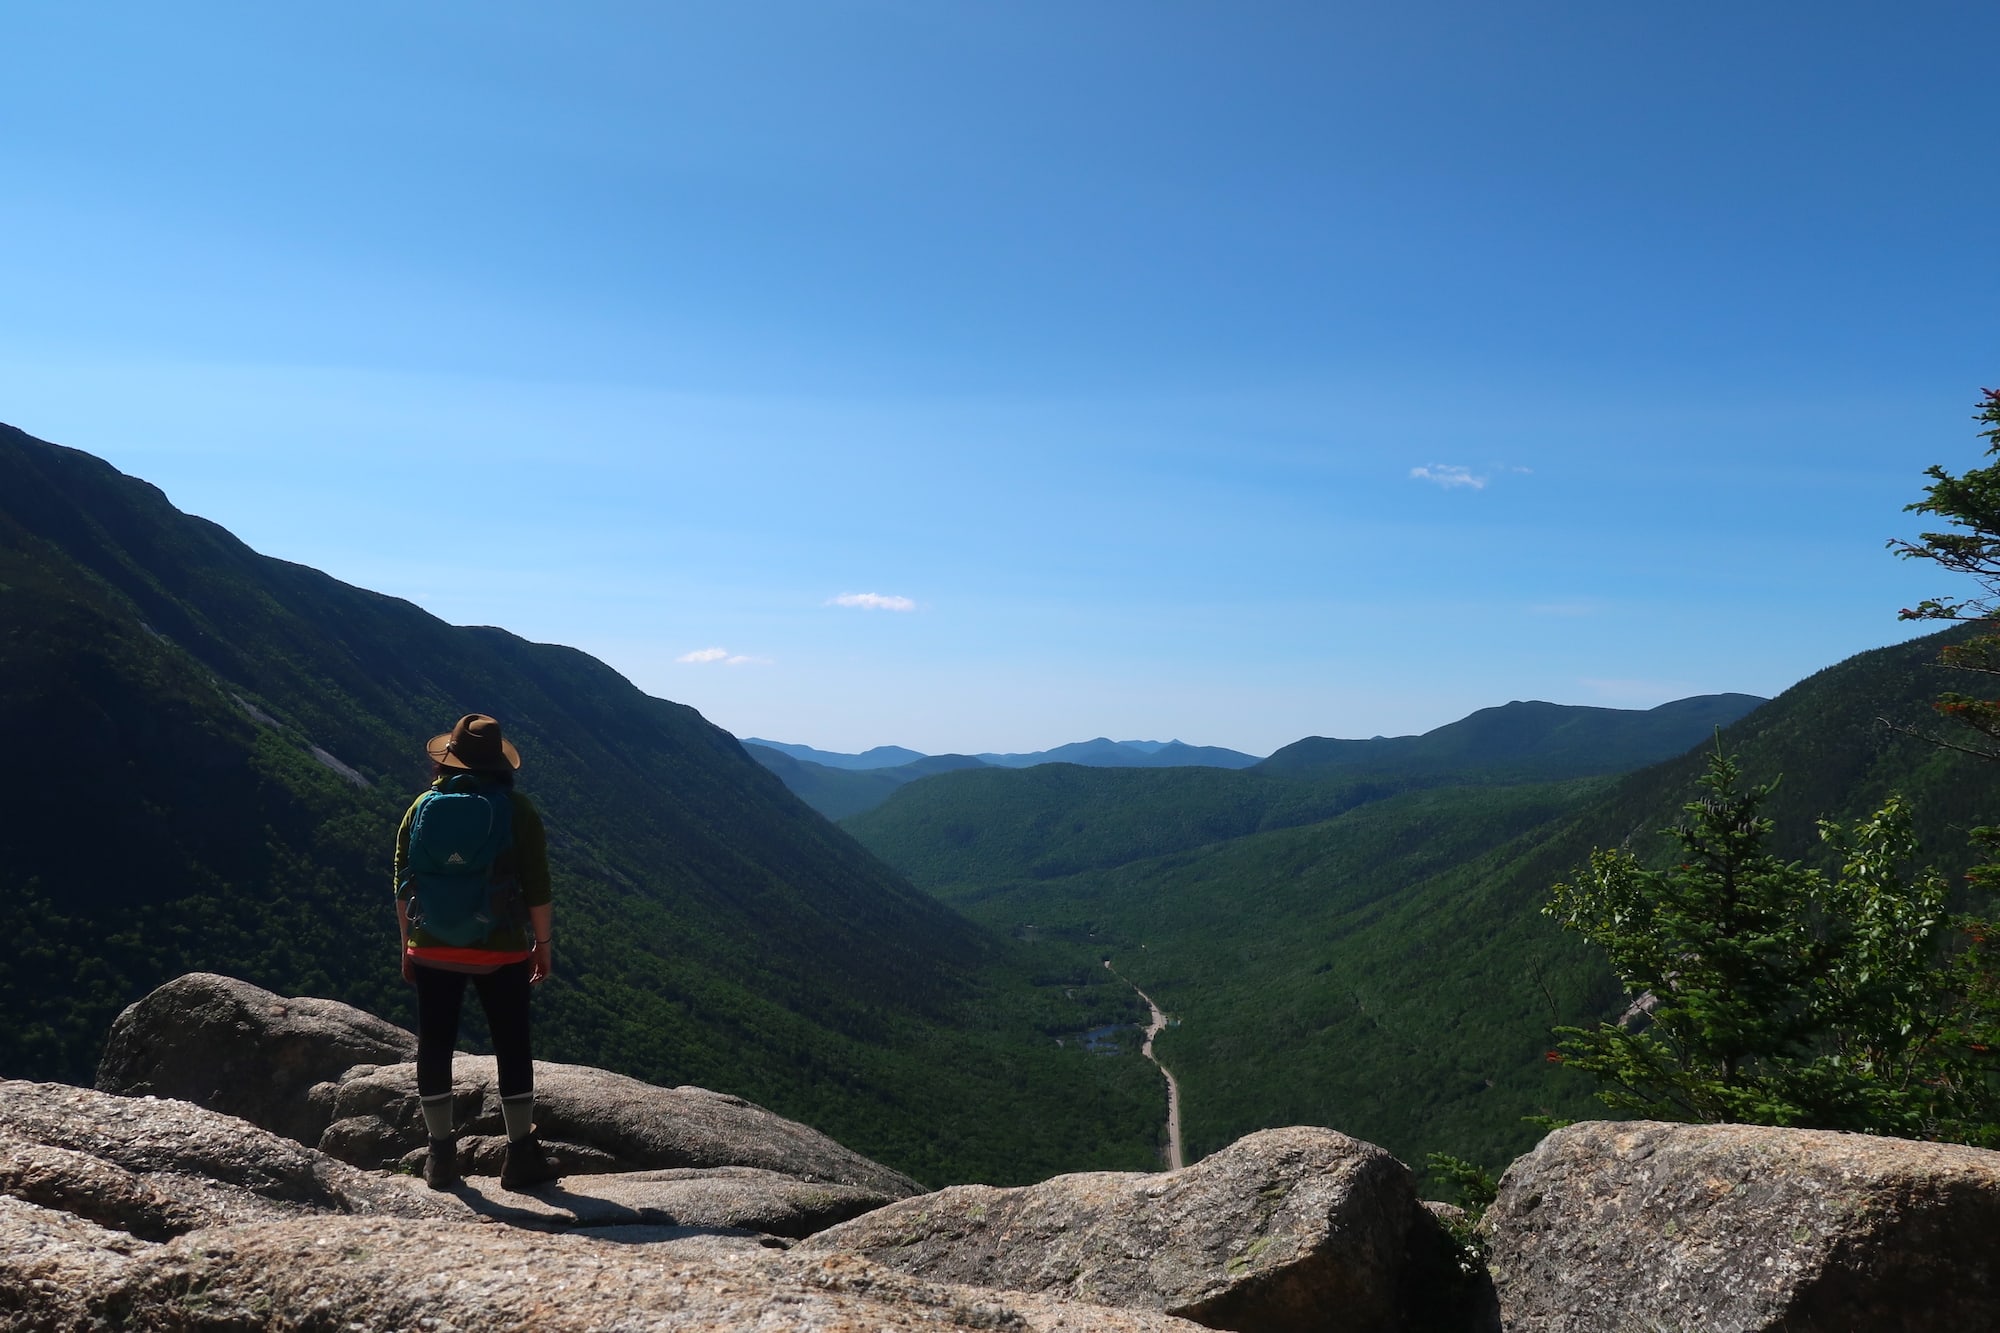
x: 1100, y: 753
x: 839, y: 785
x: 1530, y: 741
x: 1106, y: 753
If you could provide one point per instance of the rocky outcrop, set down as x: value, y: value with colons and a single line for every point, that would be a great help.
x: 236, y: 1048
x: 334, y: 1077
x: 1288, y: 1229
x: 151, y: 1212
x: 147, y: 1213
x: 596, y: 1122
x: 156, y: 1169
x: 382, y: 1273
x: 680, y: 1207
x: 1608, y: 1227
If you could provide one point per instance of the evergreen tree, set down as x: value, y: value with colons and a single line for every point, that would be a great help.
x: 1970, y: 504
x: 1765, y: 992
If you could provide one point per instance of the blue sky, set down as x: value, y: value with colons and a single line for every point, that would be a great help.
x: 986, y: 376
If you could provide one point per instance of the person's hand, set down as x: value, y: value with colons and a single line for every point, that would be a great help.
x: 409, y: 968
x: 541, y: 963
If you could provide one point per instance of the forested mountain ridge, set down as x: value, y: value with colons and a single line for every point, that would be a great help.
x: 1102, y: 752
x: 840, y: 785
x: 882, y: 756
x: 1524, y: 741
x: 990, y: 824
x: 208, y: 753
x: 985, y: 825
x: 1837, y: 744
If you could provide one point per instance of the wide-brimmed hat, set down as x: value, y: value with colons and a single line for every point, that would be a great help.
x: 476, y: 744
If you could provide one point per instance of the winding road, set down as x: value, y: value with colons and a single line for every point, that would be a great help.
x: 1175, y: 1159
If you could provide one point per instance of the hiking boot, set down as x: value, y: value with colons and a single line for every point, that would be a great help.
x: 527, y: 1163
x: 441, y: 1166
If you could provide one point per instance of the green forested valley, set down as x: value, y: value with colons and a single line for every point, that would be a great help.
x: 1368, y: 952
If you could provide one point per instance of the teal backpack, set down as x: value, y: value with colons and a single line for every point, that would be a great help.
x: 456, y: 834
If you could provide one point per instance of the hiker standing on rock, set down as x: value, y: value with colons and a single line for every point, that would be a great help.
x: 472, y: 901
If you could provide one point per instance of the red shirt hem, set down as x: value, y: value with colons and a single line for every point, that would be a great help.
x: 445, y: 953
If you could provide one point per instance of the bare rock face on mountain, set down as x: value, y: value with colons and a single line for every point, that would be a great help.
x: 236, y: 1048
x: 1611, y: 1226
x: 1288, y: 1229
x: 595, y: 1121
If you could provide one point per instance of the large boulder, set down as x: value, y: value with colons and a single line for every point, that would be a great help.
x: 396, y: 1273
x: 236, y: 1048
x: 1613, y: 1226
x: 596, y: 1121
x: 1288, y: 1229
x: 155, y: 1168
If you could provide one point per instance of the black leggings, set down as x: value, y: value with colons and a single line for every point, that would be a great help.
x: 503, y: 994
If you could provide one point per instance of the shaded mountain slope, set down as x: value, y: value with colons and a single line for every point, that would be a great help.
x: 209, y: 750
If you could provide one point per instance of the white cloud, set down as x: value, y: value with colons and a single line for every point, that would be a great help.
x: 873, y: 601
x: 1448, y: 475
x: 1451, y: 476
x: 704, y: 656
